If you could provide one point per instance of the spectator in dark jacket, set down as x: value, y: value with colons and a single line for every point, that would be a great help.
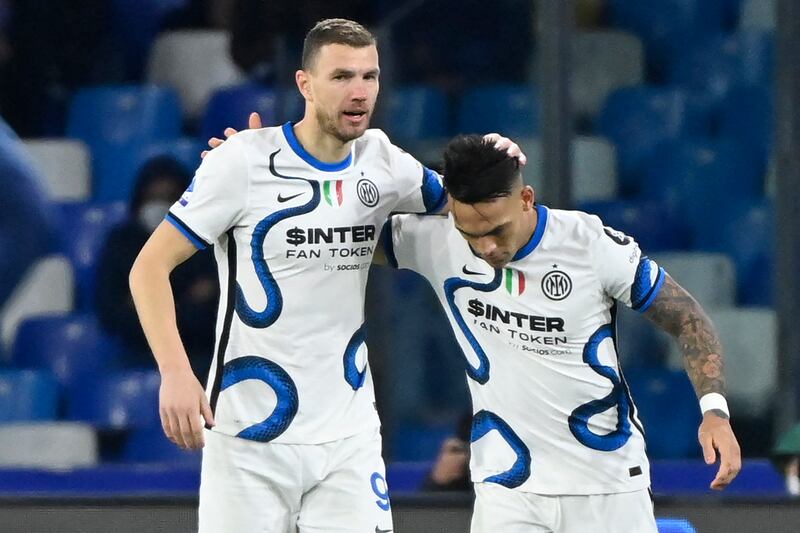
x: 161, y: 182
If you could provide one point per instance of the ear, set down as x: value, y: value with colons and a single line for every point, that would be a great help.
x: 528, y: 197
x: 303, y: 81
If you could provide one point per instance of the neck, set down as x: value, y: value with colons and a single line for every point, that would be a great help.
x: 529, y: 226
x: 321, y: 145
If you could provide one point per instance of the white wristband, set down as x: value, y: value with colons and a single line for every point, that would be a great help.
x: 714, y: 400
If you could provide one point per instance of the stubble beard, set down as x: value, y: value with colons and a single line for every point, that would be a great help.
x: 329, y: 126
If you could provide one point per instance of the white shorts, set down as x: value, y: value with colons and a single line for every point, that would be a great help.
x: 253, y: 487
x: 498, y: 509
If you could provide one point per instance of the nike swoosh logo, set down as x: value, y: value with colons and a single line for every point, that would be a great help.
x: 378, y: 530
x: 282, y: 198
x: 469, y: 272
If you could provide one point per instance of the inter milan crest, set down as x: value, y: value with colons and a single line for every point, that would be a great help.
x: 556, y: 285
x: 367, y: 192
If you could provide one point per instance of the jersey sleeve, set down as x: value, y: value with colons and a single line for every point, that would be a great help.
x: 404, y: 243
x: 421, y: 189
x: 217, y: 196
x: 625, y: 274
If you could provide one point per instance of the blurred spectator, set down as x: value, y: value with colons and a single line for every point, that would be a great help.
x: 450, y: 472
x: 26, y: 225
x: 786, y: 457
x: 161, y: 182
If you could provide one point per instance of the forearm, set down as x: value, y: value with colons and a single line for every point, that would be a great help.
x: 677, y: 313
x: 152, y: 295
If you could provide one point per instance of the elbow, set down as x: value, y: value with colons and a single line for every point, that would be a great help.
x: 135, y: 275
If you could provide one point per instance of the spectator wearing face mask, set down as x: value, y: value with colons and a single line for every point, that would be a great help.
x: 160, y: 183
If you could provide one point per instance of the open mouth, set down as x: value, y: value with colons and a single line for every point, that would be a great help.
x: 355, y: 116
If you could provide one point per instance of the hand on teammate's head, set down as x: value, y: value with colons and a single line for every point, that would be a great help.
x: 504, y: 143
x: 253, y: 123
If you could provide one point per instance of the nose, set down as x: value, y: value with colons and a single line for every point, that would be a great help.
x: 359, y: 91
x: 486, y: 246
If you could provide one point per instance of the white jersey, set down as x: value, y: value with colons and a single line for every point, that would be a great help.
x: 552, y: 412
x: 293, y: 239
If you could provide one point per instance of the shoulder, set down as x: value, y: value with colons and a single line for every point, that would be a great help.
x: 576, y: 226
x: 439, y: 224
x: 375, y: 142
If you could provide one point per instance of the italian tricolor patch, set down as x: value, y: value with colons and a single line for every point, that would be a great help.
x: 514, y: 281
x: 332, y: 191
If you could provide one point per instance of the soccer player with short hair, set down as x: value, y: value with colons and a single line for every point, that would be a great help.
x: 294, y: 214
x: 531, y: 294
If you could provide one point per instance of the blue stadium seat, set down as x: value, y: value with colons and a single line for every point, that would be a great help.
x: 669, y: 27
x: 231, y: 106
x: 653, y: 391
x: 120, y: 400
x: 84, y: 227
x: 726, y: 61
x: 638, y: 119
x: 416, y: 112
x: 71, y: 347
x: 699, y: 178
x: 747, y: 114
x: 747, y: 234
x: 124, y: 114
x: 510, y: 109
x: 150, y: 445
x: 116, y: 121
x: 27, y: 395
x: 674, y: 525
x: 118, y: 166
x: 654, y: 226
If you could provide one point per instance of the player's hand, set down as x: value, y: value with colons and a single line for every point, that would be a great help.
x: 509, y: 146
x: 452, y: 463
x: 253, y: 123
x: 716, y: 435
x: 183, y: 407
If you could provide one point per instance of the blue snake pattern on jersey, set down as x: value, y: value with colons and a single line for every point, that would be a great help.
x: 485, y: 421
x: 579, y: 419
x: 352, y: 375
x: 451, y: 285
x: 265, y: 318
x: 253, y: 367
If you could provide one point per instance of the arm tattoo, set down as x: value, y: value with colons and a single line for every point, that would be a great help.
x: 677, y: 313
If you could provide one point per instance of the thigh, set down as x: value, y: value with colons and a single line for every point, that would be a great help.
x: 247, y: 487
x: 351, y: 496
x: 627, y: 512
x: 501, y: 510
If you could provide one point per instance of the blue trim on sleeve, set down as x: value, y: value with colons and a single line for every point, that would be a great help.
x: 654, y: 291
x: 181, y: 226
x: 434, y: 196
x: 294, y: 143
x: 388, y: 243
x: 536, y: 238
